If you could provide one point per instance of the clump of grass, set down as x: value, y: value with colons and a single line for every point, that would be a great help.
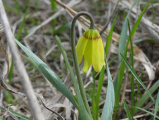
x: 112, y: 104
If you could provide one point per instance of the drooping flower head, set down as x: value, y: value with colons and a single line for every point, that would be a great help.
x: 91, y: 47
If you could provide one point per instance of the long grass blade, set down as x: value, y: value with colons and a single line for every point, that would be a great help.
x: 11, y: 72
x: 48, y: 73
x: 132, y: 64
x: 137, y: 108
x: 20, y: 115
x: 138, y: 20
x: 119, y: 80
x: 119, y: 77
x: 144, y: 111
x: 127, y: 110
x: 99, y: 89
x: 137, y: 78
x: 94, y: 109
x: 146, y: 96
x: 122, y: 45
x: 22, y: 25
x: 123, y: 36
x: 110, y: 36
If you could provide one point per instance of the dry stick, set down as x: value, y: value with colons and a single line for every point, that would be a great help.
x: 43, y: 103
x: 35, y: 108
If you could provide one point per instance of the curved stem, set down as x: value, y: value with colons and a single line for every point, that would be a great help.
x: 81, y: 86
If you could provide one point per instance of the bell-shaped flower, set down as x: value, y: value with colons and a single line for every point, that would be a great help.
x: 91, y: 47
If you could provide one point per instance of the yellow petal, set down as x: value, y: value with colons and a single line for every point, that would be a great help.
x: 91, y: 47
x: 97, y: 52
x: 81, y: 46
x: 88, y: 54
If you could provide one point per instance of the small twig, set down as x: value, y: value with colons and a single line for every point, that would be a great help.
x: 43, y: 103
x: 35, y: 108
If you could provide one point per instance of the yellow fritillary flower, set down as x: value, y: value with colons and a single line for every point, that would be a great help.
x: 91, y: 47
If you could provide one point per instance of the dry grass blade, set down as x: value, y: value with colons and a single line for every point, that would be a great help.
x: 116, y: 38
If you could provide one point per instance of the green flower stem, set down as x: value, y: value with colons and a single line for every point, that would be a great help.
x: 78, y: 95
x: 81, y: 86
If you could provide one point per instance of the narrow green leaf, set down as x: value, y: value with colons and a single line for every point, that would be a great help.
x: 138, y: 20
x: 20, y: 115
x: 146, y: 96
x: 123, y: 36
x: 11, y: 72
x: 110, y: 99
x: 142, y: 40
x: 12, y: 9
x: 156, y: 106
x: 110, y: 36
x: 48, y: 73
x: 137, y: 78
x: 144, y: 111
x: 132, y: 64
x: 118, y: 81
x: 53, y: 5
x: 8, y: 96
x: 119, y: 78
x: 4, y: 118
x: 137, y: 108
x: 94, y: 109
x: 17, y: 6
x: 21, y: 25
x: 127, y: 110
x: 99, y: 89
